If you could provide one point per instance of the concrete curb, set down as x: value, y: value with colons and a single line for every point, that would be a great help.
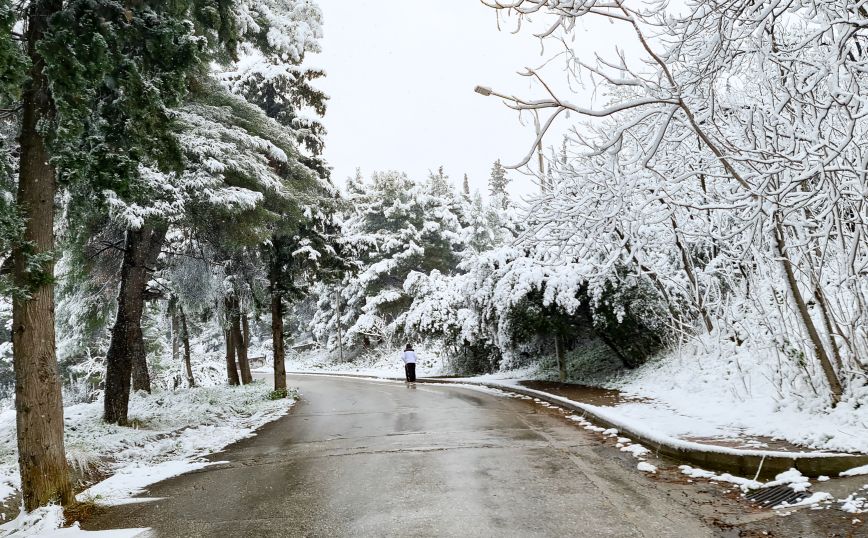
x: 739, y: 462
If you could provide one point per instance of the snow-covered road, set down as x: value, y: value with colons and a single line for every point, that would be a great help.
x: 370, y: 458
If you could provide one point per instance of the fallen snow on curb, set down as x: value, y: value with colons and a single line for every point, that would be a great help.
x: 132, y: 479
x: 646, y: 467
x: 627, y: 423
x: 745, y: 483
x: 854, y: 504
x: 856, y: 471
x: 175, y: 430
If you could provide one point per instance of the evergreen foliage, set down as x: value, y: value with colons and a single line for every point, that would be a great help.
x: 497, y: 183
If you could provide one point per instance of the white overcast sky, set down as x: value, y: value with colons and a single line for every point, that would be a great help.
x: 401, y: 73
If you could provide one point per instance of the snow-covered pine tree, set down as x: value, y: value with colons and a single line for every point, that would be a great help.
x: 497, y: 183
x: 397, y: 227
x: 302, y: 244
x: 274, y: 77
x: 480, y: 230
x: 130, y: 162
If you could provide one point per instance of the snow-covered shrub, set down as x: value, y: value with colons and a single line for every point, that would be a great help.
x: 505, y: 307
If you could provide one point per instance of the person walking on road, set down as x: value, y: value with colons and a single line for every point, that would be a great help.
x: 410, y: 364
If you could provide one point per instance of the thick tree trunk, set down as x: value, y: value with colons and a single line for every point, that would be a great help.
x: 240, y: 345
x: 38, y: 402
x: 805, y: 316
x: 126, y: 353
x: 191, y: 382
x: 231, y: 367
x: 277, y: 341
x: 245, y: 330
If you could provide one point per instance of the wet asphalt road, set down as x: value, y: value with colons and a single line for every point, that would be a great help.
x: 367, y: 458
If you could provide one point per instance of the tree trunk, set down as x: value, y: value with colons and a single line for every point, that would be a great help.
x: 176, y: 341
x: 277, y: 339
x: 38, y: 401
x: 274, y: 280
x: 191, y: 382
x: 245, y: 330
x: 827, y: 324
x: 559, y: 353
x: 340, y: 329
x: 691, y: 276
x: 802, y: 310
x: 140, y: 376
x: 126, y: 353
x: 240, y: 344
x: 231, y: 368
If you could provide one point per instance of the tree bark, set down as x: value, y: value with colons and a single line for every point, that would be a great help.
x: 802, y: 309
x: 277, y: 341
x: 176, y: 341
x: 38, y: 402
x: 140, y: 377
x: 240, y: 344
x: 191, y: 382
x: 277, y: 336
x: 126, y: 353
x: 340, y: 329
x: 245, y: 330
x: 231, y: 367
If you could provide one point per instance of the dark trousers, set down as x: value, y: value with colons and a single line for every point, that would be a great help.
x: 410, y: 370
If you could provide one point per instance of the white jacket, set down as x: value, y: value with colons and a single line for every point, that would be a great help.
x: 409, y: 356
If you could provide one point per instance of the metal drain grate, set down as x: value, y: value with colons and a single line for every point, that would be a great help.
x: 776, y: 495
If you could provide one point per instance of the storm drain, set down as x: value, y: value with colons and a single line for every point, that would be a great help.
x: 776, y: 495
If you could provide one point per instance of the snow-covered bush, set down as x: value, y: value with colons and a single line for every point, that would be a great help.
x: 508, y: 305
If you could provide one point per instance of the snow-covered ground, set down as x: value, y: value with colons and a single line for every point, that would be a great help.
x: 173, y: 431
x: 734, y: 392
x: 378, y: 363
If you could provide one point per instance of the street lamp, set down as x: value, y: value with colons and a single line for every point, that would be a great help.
x: 485, y: 91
